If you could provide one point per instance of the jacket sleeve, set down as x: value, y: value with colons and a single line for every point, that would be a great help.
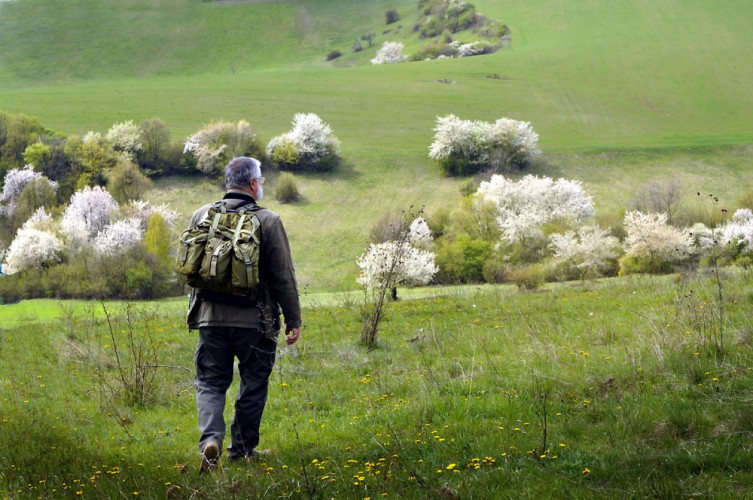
x: 278, y: 272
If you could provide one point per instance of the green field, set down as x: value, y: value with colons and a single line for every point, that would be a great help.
x: 620, y: 95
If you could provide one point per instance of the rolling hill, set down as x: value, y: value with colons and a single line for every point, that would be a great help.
x: 620, y: 93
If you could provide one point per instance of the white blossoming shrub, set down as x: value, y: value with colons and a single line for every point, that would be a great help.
x: 125, y: 138
x: 419, y: 232
x: 524, y: 206
x: 739, y: 231
x: 590, y: 251
x: 309, y: 145
x: 32, y: 248
x: 216, y: 144
x: 463, y: 147
x: 118, y: 236
x: 15, y: 181
x: 93, y: 206
x: 390, y: 53
x: 392, y: 263
x: 652, y: 245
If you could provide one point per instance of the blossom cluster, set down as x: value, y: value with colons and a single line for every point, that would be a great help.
x: 390, y: 53
x: 308, y: 142
x: 92, y: 219
x: 524, y: 206
x: 650, y: 237
x: 399, y: 262
x: 126, y: 138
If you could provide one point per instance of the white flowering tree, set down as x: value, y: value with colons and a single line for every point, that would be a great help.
x: 219, y: 142
x: 739, y: 231
x: 15, y: 182
x: 93, y: 207
x: 32, y: 248
x: 651, y: 244
x: 524, y: 206
x: 589, y: 251
x: 390, y: 53
x: 468, y: 146
x: 309, y: 145
x: 390, y: 264
x: 125, y: 138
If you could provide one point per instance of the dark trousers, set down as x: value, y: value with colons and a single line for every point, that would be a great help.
x: 215, y: 354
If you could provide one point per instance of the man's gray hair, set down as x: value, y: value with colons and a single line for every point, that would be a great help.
x: 241, y: 170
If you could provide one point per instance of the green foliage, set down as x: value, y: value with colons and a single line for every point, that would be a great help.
x: 462, y: 260
x: 126, y: 182
x: 285, y: 155
x: 629, y: 264
x: 286, y: 188
x: 529, y: 277
x: 17, y: 132
x: 159, y: 156
x: 134, y: 274
x: 37, y: 193
x: 97, y: 158
x: 458, y: 166
x: 158, y: 238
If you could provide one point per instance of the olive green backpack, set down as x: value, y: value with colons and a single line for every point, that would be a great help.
x: 221, y: 254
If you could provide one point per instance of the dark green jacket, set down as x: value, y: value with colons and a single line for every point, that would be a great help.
x: 278, y: 291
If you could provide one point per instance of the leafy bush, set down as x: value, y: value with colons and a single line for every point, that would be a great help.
x: 286, y: 189
x: 391, y: 16
x: 529, y: 277
x: 462, y: 260
x: 127, y: 183
x: 125, y: 138
x: 159, y: 155
x: 334, y: 55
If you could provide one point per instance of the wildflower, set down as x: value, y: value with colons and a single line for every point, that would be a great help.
x: 586, y: 471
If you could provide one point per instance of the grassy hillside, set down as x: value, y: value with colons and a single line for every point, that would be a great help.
x: 620, y: 93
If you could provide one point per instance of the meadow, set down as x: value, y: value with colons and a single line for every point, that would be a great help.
x: 635, y: 387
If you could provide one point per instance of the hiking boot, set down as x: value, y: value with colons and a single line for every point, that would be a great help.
x: 210, y: 457
x: 253, y: 455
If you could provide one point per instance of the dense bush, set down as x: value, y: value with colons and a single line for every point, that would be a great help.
x: 463, y: 147
x: 126, y: 182
x: 334, y: 54
x: 219, y: 142
x: 309, y: 146
x: 462, y: 260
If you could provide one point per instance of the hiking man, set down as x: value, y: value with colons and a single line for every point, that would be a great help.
x: 236, y: 326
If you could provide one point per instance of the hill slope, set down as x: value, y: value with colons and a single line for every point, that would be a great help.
x: 590, y: 77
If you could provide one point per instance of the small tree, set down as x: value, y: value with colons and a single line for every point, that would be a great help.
x: 157, y: 239
x: 387, y: 265
x: 589, y: 252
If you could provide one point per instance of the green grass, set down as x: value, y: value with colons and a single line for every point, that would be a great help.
x: 637, y: 399
x: 621, y: 95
